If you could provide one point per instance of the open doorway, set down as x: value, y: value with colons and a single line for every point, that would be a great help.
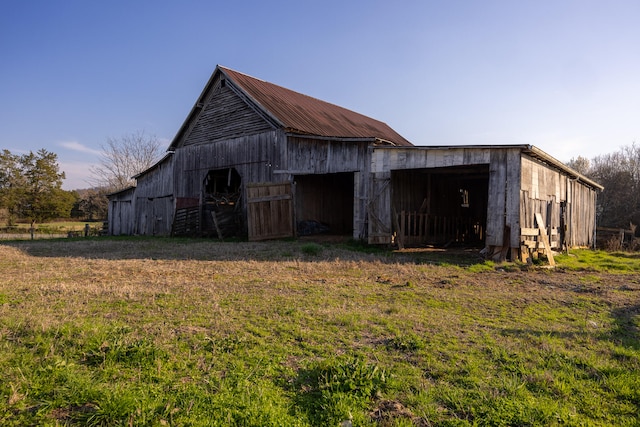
x: 222, y: 210
x: 324, y: 204
x: 441, y: 206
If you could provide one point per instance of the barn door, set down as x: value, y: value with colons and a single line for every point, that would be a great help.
x: 269, y: 211
x: 379, y: 214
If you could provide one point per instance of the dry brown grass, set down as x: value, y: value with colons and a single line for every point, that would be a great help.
x: 221, y: 285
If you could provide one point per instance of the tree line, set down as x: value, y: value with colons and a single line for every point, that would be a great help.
x: 31, y: 187
x: 31, y: 190
x: 618, y: 205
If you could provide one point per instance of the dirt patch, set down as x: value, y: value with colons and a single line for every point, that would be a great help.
x: 387, y: 412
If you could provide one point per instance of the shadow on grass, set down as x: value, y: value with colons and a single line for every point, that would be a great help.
x: 166, y: 248
x: 631, y: 255
x: 627, y: 330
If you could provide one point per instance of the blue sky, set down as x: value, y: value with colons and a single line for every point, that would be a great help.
x: 562, y: 75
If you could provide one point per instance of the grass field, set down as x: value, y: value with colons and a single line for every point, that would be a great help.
x: 48, y: 230
x: 132, y: 332
x: 55, y: 225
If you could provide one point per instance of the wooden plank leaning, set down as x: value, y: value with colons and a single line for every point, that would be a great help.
x: 545, y: 240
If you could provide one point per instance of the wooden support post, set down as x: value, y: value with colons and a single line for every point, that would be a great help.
x: 399, y: 231
x: 506, y: 239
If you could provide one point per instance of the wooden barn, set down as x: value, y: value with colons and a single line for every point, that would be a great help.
x: 259, y: 160
x: 121, y: 212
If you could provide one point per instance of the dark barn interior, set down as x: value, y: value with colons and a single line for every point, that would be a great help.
x: 441, y: 206
x: 324, y: 204
x: 222, y: 213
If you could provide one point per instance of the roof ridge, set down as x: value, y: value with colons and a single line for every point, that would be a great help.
x: 334, y: 105
x: 240, y: 72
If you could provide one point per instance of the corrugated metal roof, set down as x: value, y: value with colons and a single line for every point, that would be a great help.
x: 303, y: 114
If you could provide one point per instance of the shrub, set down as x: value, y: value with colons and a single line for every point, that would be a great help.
x: 340, y: 388
x: 312, y: 249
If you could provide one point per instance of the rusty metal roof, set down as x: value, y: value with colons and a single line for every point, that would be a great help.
x: 302, y: 114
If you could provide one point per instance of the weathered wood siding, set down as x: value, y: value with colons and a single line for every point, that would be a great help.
x: 254, y: 157
x: 269, y: 211
x: 543, y: 190
x: 225, y: 116
x: 379, y: 209
x: 154, y: 200
x: 581, y: 215
x: 272, y: 157
x: 317, y: 156
x: 503, y: 204
x: 121, y: 213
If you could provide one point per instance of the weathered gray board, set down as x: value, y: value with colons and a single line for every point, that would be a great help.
x: 503, y: 204
x: 154, y: 214
x: 121, y: 212
x: 154, y: 200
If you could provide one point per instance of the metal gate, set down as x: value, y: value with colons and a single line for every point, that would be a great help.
x: 269, y: 211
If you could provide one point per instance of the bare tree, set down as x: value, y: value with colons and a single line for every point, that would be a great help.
x: 580, y: 164
x: 619, y: 172
x: 123, y: 158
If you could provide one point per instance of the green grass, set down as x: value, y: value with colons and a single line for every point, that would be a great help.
x: 312, y: 249
x: 589, y: 260
x: 148, y: 332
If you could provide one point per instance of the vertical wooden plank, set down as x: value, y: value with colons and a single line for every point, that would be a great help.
x: 496, y: 201
x: 400, y: 228
x: 512, y: 199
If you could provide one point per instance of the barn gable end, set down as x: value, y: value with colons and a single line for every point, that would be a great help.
x: 220, y: 113
x: 226, y: 116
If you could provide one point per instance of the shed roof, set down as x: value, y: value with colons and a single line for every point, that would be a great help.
x: 527, y: 149
x: 128, y: 191
x: 298, y: 113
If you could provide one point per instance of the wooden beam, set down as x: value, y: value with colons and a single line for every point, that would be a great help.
x: 529, y: 231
